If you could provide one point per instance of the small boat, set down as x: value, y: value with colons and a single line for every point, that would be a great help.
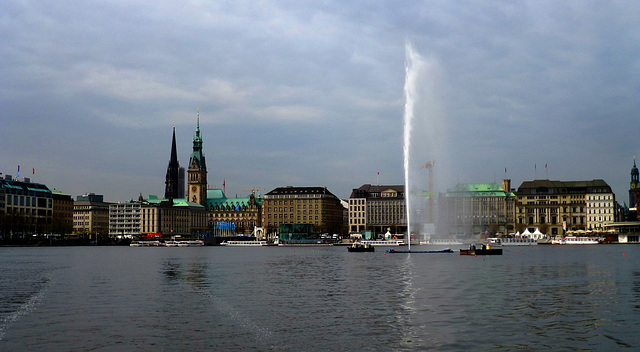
x: 446, y: 250
x: 383, y: 243
x: 485, y: 250
x: 245, y: 243
x: 359, y: 247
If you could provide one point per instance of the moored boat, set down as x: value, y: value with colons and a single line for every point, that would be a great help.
x: 484, y: 250
x: 383, y: 242
x: 359, y: 247
x: 511, y: 241
x: 446, y: 250
x: 245, y: 243
x: 576, y: 240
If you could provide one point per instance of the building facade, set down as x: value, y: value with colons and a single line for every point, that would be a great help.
x: 62, y: 221
x: 242, y: 215
x: 174, y: 217
x: 316, y: 206
x: 468, y: 210
x: 124, y: 219
x: 378, y: 209
x: 91, y: 215
x: 26, y: 208
x: 555, y: 207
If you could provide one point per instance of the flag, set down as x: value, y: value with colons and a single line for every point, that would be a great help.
x: 18, y: 170
x: 34, y: 170
x: 505, y: 170
x: 545, y: 166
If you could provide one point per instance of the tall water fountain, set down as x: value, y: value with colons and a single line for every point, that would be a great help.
x: 424, y: 140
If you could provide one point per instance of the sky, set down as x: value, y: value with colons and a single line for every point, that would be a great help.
x: 312, y: 93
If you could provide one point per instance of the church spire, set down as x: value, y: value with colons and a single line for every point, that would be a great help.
x: 173, y: 180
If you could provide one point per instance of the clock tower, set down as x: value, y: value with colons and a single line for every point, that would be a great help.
x: 197, y: 173
x: 634, y: 185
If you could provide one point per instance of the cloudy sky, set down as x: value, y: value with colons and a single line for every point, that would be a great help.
x: 311, y: 93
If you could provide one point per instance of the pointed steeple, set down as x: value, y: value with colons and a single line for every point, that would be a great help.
x: 173, y: 181
x: 197, y: 190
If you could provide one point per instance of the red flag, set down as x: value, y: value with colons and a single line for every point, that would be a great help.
x: 34, y: 170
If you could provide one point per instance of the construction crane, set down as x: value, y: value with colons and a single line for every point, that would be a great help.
x: 429, y: 165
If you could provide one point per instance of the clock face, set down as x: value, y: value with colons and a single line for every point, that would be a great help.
x: 194, y: 188
x: 633, y: 185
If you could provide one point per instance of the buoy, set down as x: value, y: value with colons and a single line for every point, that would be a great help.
x: 624, y: 253
x: 515, y: 251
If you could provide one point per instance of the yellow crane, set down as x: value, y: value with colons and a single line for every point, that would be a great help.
x: 429, y: 165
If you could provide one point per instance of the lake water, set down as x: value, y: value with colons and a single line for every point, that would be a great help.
x: 318, y: 299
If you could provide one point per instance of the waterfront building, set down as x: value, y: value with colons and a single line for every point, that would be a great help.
x: 26, y: 208
x: 62, y: 220
x: 171, y: 217
x: 174, y: 180
x: 124, y: 219
x: 316, y: 206
x: 378, y: 209
x: 91, y: 215
x: 244, y: 213
x: 558, y: 206
x: 470, y: 209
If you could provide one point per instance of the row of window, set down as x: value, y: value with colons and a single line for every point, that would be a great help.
x: 290, y: 216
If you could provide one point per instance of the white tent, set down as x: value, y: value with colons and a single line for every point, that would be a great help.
x: 525, y: 234
x: 538, y: 235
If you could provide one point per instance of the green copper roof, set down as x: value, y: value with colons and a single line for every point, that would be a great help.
x: 477, y: 190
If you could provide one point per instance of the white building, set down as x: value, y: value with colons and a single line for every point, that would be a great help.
x: 124, y: 219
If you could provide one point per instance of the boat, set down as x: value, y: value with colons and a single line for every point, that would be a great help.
x: 359, y: 247
x: 446, y: 250
x: 484, y: 250
x: 185, y: 243
x: 511, y: 241
x: 191, y: 243
x: 442, y: 242
x: 383, y: 242
x: 245, y: 243
x: 576, y: 240
x: 146, y: 244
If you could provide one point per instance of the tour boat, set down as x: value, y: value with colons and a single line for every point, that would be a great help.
x: 510, y: 241
x: 383, y: 242
x: 576, y: 240
x: 442, y: 242
x: 245, y: 243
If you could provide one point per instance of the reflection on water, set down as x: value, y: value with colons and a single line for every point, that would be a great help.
x: 284, y: 299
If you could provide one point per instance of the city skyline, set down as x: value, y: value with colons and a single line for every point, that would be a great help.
x: 307, y: 94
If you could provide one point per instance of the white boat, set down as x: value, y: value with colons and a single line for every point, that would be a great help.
x: 511, y: 241
x: 139, y: 244
x: 245, y: 243
x: 191, y: 243
x: 576, y: 240
x: 146, y: 244
x: 442, y: 242
x: 186, y: 243
x: 383, y: 243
